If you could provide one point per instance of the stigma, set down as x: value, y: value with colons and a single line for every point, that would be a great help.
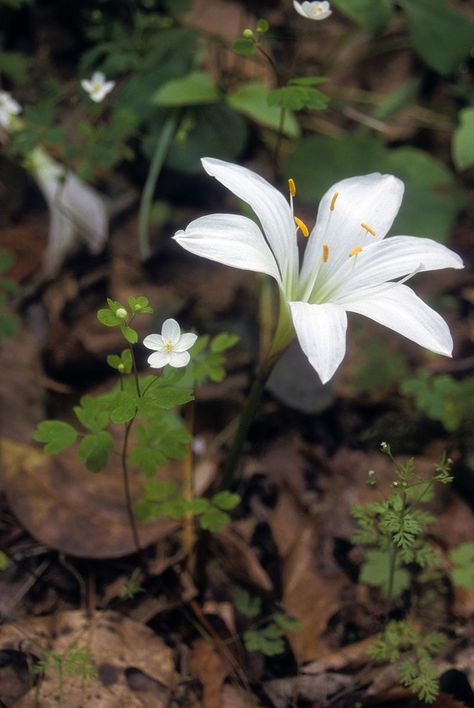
x: 302, y: 226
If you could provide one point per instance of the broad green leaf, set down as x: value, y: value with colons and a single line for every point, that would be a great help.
x: 197, y: 506
x: 56, y: 435
x: 288, y: 624
x: 92, y: 413
x: 463, y: 140
x: 373, y: 15
x: 298, y: 97
x: 252, y: 100
x: 247, y: 604
x: 376, y: 571
x: 107, y: 318
x: 215, y: 131
x: 165, y: 397
x: 223, y: 341
x: 463, y: 554
x: 267, y: 641
x: 226, y: 500
x: 129, y: 334
x: 245, y: 46
x: 197, y: 88
x: 442, y: 37
x: 214, y: 519
x: 140, y: 304
x: 147, y: 459
x: 94, y: 450
x: 125, y: 407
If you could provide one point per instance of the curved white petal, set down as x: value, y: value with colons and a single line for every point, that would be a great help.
x: 98, y: 77
x: 321, y: 332
x: 299, y: 8
x: 396, y: 306
x: 86, y: 85
x: 158, y: 359
x: 229, y: 239
x: 268, y: 204
x: 372, y: 200
x: 171, y: 331
x: 179, y: 359
x: 154, y: 341
x: 185, y: 342
x: 392, y: 258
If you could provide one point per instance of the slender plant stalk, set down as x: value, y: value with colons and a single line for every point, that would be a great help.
x: 189, y: 532
x: 126, y: 486
x: 159, y: 156
x: 391, y: 578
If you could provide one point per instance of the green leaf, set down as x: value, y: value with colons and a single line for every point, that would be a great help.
x: 245, y: 46
x: 4, y: 561
x: 129, y: 334
x: 164, y: 397
x: 147, y: 459
x: 248, y: 605
x: 463, y: 140
x: 252, y: 100
x: 92, y: 413
x: 56, y: 435
x: 308, y: 80
x: 288, y: 624
x: 373, y: 15
x: 122, y: 363
x: 298, y: 97
x: 107, y: 318
x: 197, y: 88
x: 442, y: 37
x: 463, y: 554
x: 94, y: 450
x: 264, y: 641
x: 125, y: 407
x: 223, y: 341
x: 140, y: 304
x: 376, y: 571
x: 226, y: 500
x: 214, y: 519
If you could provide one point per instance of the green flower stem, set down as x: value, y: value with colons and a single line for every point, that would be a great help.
x: 393, y: 564
x: 246, y: 419
x: 159, y: 156
x: 128, y: 495
x: 135, y: 371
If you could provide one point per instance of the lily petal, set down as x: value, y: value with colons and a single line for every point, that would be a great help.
x: 392, y: 258
x: 268, y: 204
x: 154, y: 341
x: 229, y: 239
x: 321, y: 332
x: 171, y: 331
x: 158, y: 359
x: 185, y: 342
x: 179, y: 359
x: 372, y: 200
x: 396, y: 306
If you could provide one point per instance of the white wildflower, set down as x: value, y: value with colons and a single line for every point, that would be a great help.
x: 8, y: 108
x: 313, y: 10
x: 97, y: 87
x: 170, y: 347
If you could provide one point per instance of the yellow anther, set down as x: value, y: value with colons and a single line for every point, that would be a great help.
x: 355, y: 251
x: 369, y: 229
x: 333, y: 201
x: 325, y: 252
x: 302, y: 226
x: 292, y: 187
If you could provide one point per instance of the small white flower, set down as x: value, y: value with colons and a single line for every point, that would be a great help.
x: 348, y: 264
x: 313, y: 10
x: 97, y: 87
x: 170, y: 347
x: 8, y: 108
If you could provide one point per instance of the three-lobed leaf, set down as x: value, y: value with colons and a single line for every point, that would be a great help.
x: 56, y: 435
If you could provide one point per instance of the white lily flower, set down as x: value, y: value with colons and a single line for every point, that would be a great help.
x: 313, y: 10
x: 8, y: 108
x: 347, y: 265
x: 97, y: 87
x: 170, y: 347
x: 76, y: 210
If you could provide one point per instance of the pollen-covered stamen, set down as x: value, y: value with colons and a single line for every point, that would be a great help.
x: 292, y: 187
x: 168, y: 346
x: 369, y: 229
x: 302, y: 226
x: 325, y: 252
x: 333, y: 201
x: 355, y: 251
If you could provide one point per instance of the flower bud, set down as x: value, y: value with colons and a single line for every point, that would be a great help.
x: 121, y: 313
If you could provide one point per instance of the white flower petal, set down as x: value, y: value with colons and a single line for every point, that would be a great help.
x: 98, y: 77
x: 313, y: 10
x: 392, y: 258
x: 268, y: 204
x: 371, y: 200
x: 171, y: 331
x: 179, y: 359
x: 229, y: 239
x: 185, y: 342
x: 321, y: 332
x: 396, y: 306
x: 154, y: 341
x: 159, y: 359
x: 86, y: 85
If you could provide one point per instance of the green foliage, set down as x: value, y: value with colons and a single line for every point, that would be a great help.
x: 372, y: 16
x: 463, y: 140
x: 267, y: 636
x: 196, y: 88
x: 94, y: 450
x: 251, y: 100
x: 376, y: 571
x: 402, y: 643
x: 76, y: 661
x: 8, y: 287
x: 462, y: 570
x: 432, y: 197
x: 4, y: 561
x: 441, y: 36
x: 249, y: 605
x: 131, y: 587
x: 378, y: 368
x: 56, y: 435
x: 298, y: 97
x: 208, y: 357
x: 442, y: 397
